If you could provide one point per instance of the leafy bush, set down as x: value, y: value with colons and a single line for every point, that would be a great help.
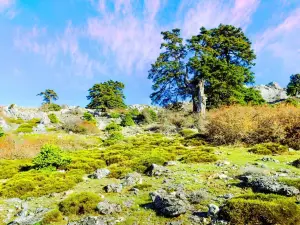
x: 25, y: 128
x: 114, y: 115
x: 89, y: 117
x: 74, y: 126
x: 268, y: 149
x: 113, y: 138
x: 203, y: 155
x: 50, y: 107
x: 53, y: 118
x: 255, y: 124
x: 38, y: 183
x: 113, y: 127
x: 148, y: 116
x: 261, y: 209
x: 127, y: 121
x: 1, y: 132
x: 10, y: 167
x: 293, y: 101
x: 50, y: 157
x: 80, y: 204
x: 52, y: 217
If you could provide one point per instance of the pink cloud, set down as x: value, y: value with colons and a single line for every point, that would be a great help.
x: 212, y: 13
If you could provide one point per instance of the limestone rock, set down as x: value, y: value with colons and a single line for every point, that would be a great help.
x: 99, y: 174
x: 115, y: 188
x: 106, y: 208
x: 132, y: 179
x: 156, y: 170
x: 272, y: 92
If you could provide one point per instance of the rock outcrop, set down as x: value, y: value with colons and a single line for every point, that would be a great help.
x: 272, y: 92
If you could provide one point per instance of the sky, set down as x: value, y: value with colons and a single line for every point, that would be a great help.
x: 69, y: 45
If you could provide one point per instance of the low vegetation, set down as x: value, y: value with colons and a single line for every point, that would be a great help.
x: 269, y: 149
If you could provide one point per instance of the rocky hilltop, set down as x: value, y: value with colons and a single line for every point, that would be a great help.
x: 272, y: 92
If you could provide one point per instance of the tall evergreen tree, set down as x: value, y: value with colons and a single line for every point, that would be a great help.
x: 107, y: 95
x: 293, y: 88
x: 48, y: 96
x: 212, y: 68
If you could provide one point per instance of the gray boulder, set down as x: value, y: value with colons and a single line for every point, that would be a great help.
x: 28, y: 218
x: 198, y: 196
x: 106, y: 208
x: 99, y: 174
x: 94, y: 220
x: 156, y: 170
x: 272, y: 92
x: 213, y: 210
x: 266, y: 184
x: 169, y: 205
x: 132, y: 179
x: 115, y: 188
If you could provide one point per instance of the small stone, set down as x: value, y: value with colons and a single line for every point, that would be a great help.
x: 213, y: 210
x: 106, y: 208
x: 170, y: 163
x: 115, y: 188
x: 132, y: 179
x: 228, y: 196
x: 99, y: 174
x: 156, y: 170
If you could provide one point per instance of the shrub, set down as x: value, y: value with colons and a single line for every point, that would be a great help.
x: 50, y: 157
x: 80, y: 204
x: 113, y: 127
x: 34, y: 121
x: 50, y: 107
x: 1, y: 132
x: 113, y: 138
x: 148, y: 116
x: 89, y: 117
x: 38, y: 183
x: 187, y: 132
x: 11, y: 106
x: 254, y: 125
x: 295, y: 182
x: 261, y: 209
x: 127, y: 121
x: 15, y: 120
x: 114, y: 115
x: 54, y: 216
x: 268, y: 149
x: 25, y: 128
x: 10, y: 167
x: 204, y: 155
x: 293, y: 101
x: 53, y: 118
x: 74, y: 126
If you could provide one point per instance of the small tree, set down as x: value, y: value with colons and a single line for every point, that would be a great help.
x: 293, y: 88
x: 48, y: 96
x: 107, y: 95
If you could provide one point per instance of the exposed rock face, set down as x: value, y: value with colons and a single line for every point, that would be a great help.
x: 266, y: 184
x: 272, y: 92
x: 156, y: 170
x: 25, y: 217
x: 100, y: 173
x: 115, y: 188
x: 132, y: 179
x: 169, y: 205
x: 106, y: 208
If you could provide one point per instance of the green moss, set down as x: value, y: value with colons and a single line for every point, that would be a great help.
x: 38, y: 183
x: 114, y: 137
x: 114, y: 115
x: 10, y: 167
x: 53, y: 118
x: 261, y: 210
x: 80, y: 204
x: 291, y: 181
x: 53, y: 217
x: 269, y: 149
x: 25, y: 128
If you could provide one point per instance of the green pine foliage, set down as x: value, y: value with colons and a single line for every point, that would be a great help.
x: 48, y: 96
x: 80, y: 204
x: 293, y: 88
x: 53, y: 118
x: 107, y: 95
x: 50, y: 157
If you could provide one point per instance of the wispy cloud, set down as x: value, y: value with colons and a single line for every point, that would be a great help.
x: 133, y: 42
x: 58, y: 48
x: 7, y: 8
x: 282, y: 41
x: 212, y: 13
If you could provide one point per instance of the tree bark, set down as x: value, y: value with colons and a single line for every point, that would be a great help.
x: 199, y: 98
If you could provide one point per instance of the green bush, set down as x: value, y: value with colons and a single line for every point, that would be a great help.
x: 148, y: 116
x: 127, y: 121
x: 80, y: 204
x: 52, y: 217
x: 50, y: 107
x: 187, y: 132
x: 74, y: 126
x: 38, y: 183
x: 25, y: 128
x: 293, y: 101
x: 34, y: 121
x: 114, y: 115
x: 15, y: 121
x: 134, y: 112
x: 53, y: 118
x: 1, y: 132
x: 261, y: 209
x: 50, y: 157
x: 10, y: 167
x: 203, y: 155
x: 113, y: 138
x: 89, y: 117
x: 113, y: 127
x: 269, y: 149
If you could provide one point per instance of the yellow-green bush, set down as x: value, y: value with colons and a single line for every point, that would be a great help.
x: 25, y: 128
x: 38, y: 183
x: 261, y: 209
x: 50, y: 107
x: 80, y: 204
x: 268, y: 149
x: 15, y: 121
x: 291, y: 181
x: 10, y: 167
x: 52, y: 217
x: 53, y: 118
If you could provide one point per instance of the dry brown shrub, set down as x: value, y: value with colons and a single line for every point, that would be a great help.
x: 255, y: 124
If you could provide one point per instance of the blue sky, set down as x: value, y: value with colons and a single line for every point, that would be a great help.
x: 69, y: 45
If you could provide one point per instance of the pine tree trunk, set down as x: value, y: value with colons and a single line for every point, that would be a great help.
x: 199, y: 99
